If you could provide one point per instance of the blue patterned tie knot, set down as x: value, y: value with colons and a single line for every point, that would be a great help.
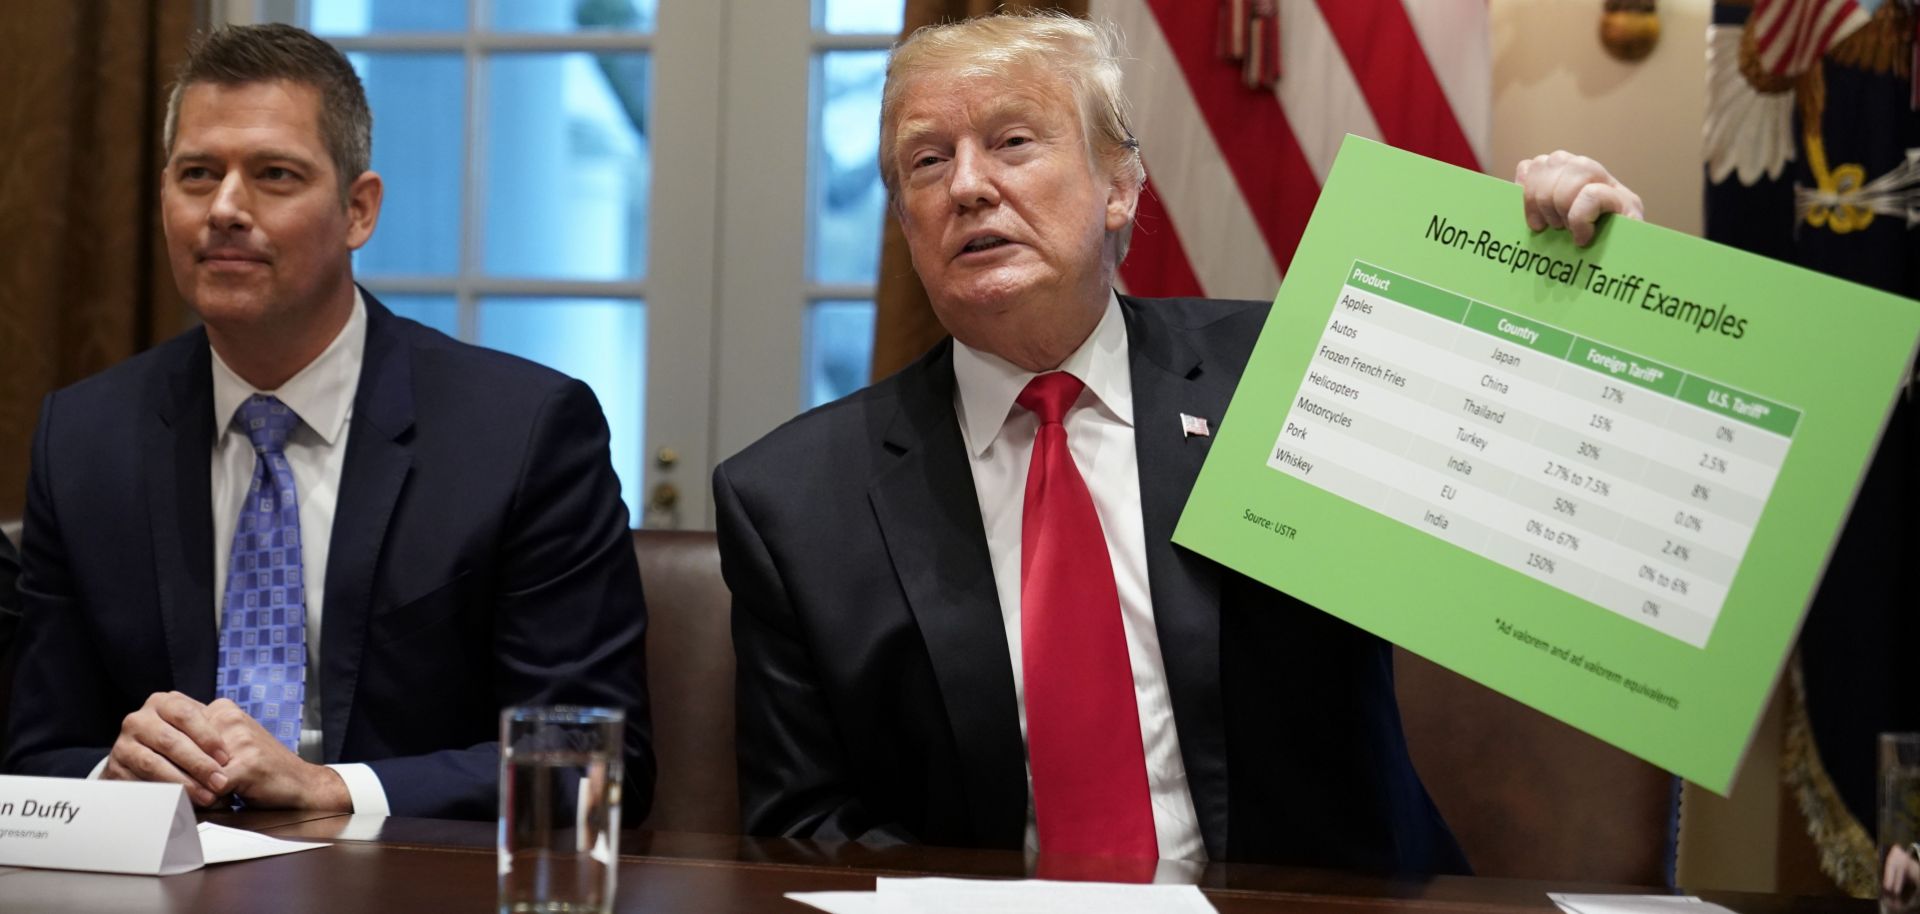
x: 268, y: 422
x: 263, y: 628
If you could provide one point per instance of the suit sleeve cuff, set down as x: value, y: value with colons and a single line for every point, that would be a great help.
x: 363, y: 788
x: 99, y: 769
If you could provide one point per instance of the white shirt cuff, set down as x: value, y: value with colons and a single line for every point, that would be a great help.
x: 363, y: 788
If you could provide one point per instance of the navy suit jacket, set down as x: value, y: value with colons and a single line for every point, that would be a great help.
x: 875, y: 690
x: 9, y: 570
x: 9, y: 601
x: 479, y: 558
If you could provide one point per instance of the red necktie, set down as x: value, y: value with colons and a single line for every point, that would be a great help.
x: 1083, y: 726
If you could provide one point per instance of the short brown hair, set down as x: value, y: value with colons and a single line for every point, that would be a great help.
x: 238, y: 54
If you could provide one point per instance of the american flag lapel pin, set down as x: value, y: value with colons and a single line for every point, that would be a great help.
x: 1194, y: 427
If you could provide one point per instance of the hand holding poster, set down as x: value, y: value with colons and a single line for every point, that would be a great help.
x: 1602, y: 480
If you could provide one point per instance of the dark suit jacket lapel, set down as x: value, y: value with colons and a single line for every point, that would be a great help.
x: 177, y: 441
x: 379, y: 455
x: 1170, y: 378
x: 929, y: 517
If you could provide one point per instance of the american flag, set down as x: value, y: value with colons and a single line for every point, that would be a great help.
x: 1789, y: 35
x: 1235, y: 159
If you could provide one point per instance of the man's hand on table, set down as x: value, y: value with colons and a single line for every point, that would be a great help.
x: 1572, y: 192
x: 265, y: 773
x: 171, y: 740
x: 218, y: 749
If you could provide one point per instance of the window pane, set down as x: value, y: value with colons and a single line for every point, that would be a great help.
x: 567, y: 166
x: 419, y: 126
x: 363, y: 17
x: 601, y: 341
x: 574, y: 15
x: 848, y: 199
x: 440, y: 312
x: 862, y: 16
x: 839, y: 349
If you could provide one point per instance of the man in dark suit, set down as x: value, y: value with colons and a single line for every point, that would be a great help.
x: 958, y: 612
x: 9, y: 601
x: 309, y: 491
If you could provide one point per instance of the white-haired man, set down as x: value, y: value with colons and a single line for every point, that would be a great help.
x: 958, y: 614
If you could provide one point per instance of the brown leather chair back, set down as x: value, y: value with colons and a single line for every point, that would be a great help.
x: 1528, y: 796
x: 689, y: 681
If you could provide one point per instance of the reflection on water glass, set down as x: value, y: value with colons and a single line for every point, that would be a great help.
x: 1899, y: 805
x: 560, y: 770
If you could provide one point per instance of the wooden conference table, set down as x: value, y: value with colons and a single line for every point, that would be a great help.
x: 430, y: 865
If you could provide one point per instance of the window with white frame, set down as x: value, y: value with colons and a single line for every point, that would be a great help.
x: 513, y: 139
x: 558, y: 178
x: 846, y: 201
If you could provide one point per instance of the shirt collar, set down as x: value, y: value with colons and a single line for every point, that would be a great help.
x: 985, y: 385
x: 321, y: 394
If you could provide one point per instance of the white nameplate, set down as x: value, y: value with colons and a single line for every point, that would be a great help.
x: 105, y: 826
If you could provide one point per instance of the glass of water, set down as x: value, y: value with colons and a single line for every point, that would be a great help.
x: 560, y: 770
x: 1899, y: 806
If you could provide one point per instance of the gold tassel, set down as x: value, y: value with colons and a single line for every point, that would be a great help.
x: 1846, y: 850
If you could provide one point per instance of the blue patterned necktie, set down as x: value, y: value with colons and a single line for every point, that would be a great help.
x: 263, y: 631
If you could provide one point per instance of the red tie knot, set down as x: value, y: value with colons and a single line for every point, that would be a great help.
x: 1050, y: 395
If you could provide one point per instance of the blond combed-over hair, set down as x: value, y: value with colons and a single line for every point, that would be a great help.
x: 1083, y: 53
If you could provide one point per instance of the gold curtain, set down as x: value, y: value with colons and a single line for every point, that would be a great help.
x: 904, y: 326
x: 84, y: 281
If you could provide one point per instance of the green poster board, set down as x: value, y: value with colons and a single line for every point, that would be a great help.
x: 1604, y: 481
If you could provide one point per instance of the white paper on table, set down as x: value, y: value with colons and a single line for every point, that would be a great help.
x: 1003, y: 896
x: 1035, y: 896
x: 840, y: 902
x: 220, y: 844
x: 1634, y: 904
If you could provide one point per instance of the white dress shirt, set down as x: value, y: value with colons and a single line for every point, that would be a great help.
x: 321, y: 394
x: 999, y: 441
